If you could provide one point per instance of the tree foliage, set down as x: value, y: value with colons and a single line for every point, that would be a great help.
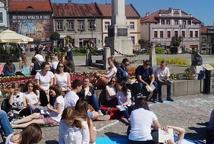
x: 175, y: 42
x: 55, y: 36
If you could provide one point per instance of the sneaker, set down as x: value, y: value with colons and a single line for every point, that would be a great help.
x: 160, y: 100
x: 170, y: 99
x: 100, y: 112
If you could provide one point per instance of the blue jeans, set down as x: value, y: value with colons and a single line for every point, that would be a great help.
x: 5, y: 124
x: 92, y: 100
x: 159, y: 89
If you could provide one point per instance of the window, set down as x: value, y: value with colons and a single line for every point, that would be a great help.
x: 168, y: 34
x: 184, y: 22
x: 183, y: 34
x: 168, y: 22
x: 189, y: 22
x: 191, y: 34
x: 176, y: 22
x: 176, y: 33
x: 196, y: 34
x: 132, y: 25
x: 81, y: 24
x: 162, y: 21
x: 133, y: 39
x: 70, y: 25
x: 107, y: 24
x: 1, y: 17
x: 161, y: 34
x: 155, y: 34
x: 59, y: 25
x: 91, y: 25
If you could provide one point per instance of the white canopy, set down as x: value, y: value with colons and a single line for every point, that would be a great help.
x: 9, y: 36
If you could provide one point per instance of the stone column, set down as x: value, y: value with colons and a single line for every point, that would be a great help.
x: 107, y: 54
x: 152, y: 56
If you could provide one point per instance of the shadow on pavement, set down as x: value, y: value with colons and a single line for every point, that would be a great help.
x: 51, y: 142
x: 199, y: 134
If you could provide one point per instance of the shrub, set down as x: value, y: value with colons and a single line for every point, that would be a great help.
x: 177, y: 61
x: 159, y: 50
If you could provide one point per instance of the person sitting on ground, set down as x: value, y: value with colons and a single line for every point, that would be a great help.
x: 162, y: 75
x: 122, y: 74
x: 124, y: 99
x: 32, y: 97
x: 146, y: 79
x: 210, y: 129
x: 73, y: 124
x: 88, y: 94
x: 18, y: 101
x: 5, y: 123
x: 32, y: 134
x: 44, y: 80
x: 9, y: 69
x: 61, y: 78
x: 109, y: 97
x: 71, y: 96
x: 50, y: 117
x: 142, y: 121
x: 179, y: 135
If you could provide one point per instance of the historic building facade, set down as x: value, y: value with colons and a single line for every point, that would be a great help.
x: 32, y: 18
x: 3, y: 15
x: 207, y: 39
x: 159, y: 28
x: 133, y: 22
x: 81, y: 22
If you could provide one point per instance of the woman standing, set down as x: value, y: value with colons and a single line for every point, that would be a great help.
x: 44, y: 80
x: 61, y: 78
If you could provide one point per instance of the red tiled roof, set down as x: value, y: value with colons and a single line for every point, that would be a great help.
x: 106, y: 11
x: 29, y: 6
x: 153, y: 18
x: 75, y: 10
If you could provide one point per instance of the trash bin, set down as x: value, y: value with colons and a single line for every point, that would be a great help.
x: 208, y: 85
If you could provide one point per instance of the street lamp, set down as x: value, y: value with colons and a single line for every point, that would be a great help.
x: 182, y: 26
x: 93, y: 28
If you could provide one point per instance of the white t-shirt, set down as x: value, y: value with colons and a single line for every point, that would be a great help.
x: 111, y: 92
x: 54, y: 64
x: 162, y: 73
x: 62, y: 80
x: 32, y: 98
x: 60, y: 103
x: 18, y: 100
x: 141, y: 121
x: 71, y: 99
x: 44, y: 80
x: 73, y: 135
x: 111, y: 73
x: 122, y: 98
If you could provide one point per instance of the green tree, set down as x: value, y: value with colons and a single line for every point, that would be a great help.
x: 175, y: 41
x: 55, y: 36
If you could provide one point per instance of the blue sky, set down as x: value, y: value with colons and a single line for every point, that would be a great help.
x: 201, y: 9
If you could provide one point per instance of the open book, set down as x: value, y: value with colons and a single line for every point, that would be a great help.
x: 150, y: 88
x: 121, y: 107
x: 163, y: 135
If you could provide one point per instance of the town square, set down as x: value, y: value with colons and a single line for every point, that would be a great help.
x: 106, y: 72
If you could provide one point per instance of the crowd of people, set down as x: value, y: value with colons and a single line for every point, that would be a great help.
x: 53, y: 99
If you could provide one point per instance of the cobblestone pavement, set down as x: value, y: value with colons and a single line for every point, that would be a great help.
x: 189, y: 112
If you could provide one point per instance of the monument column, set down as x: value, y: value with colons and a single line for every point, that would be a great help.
x: 118, y: 33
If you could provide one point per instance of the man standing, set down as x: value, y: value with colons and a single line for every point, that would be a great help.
x: 162, y: 75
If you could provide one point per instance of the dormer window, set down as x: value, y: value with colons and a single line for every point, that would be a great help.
x: 29, y: 8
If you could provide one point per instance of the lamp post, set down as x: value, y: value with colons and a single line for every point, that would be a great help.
x: 182, y: 26
x: 93, y: 28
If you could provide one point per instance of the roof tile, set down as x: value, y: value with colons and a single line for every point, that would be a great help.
x: 30, y: 5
